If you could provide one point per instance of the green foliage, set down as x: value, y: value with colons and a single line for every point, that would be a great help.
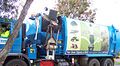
x: 72, y: 6
x: 9, y: 8
x: 76, y: 9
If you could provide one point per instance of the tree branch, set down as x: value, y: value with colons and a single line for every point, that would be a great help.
x: 4, y: 52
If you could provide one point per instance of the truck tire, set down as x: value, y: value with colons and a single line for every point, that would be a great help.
x: 16, y: 62
x: 93, y: 62
x: 107, y: 62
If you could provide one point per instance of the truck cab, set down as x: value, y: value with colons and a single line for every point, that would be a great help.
x: 15, y: 54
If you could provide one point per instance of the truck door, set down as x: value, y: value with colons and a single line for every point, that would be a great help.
x: 4, y: 33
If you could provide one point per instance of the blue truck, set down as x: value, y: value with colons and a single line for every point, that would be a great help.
x: 70, y: 42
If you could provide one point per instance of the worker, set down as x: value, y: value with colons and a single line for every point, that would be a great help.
x: 5, y: 34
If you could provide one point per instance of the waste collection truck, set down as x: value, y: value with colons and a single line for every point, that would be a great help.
x: 70, y: 42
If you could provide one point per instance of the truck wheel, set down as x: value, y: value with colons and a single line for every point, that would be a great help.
x: 94, y: 62
x: 107, y: 62
x: 16, y: 62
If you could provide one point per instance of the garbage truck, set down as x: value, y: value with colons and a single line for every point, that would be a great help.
x: 64, y: 42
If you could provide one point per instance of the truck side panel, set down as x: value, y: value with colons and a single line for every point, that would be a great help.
x: 85, y: 38
x: 117, y: 43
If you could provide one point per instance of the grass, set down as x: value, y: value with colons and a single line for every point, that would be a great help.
x: 117, y: 63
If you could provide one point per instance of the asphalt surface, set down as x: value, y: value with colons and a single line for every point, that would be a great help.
x: 116, y: 65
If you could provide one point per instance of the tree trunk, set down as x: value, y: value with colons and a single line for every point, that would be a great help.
x: 4, y: 52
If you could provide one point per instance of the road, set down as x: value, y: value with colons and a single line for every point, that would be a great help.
x: 117, y: 65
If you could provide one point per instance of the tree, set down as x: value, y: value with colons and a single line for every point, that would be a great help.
x: 76, y: 9
x: 9, y: 43
x: 9, y: 8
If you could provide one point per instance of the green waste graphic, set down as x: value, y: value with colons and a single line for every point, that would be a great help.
x: 85, y: 36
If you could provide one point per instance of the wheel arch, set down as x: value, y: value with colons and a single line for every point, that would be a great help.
x: 109, y: 61
x: 12, y: 56
x: 100, y: 58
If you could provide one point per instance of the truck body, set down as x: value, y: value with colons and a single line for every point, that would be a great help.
x: 78, y: 43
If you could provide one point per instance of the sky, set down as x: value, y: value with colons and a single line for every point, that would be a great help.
x: 108, y: 11
x: 38, y: 6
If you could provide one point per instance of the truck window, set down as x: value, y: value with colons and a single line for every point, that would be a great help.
x: 4, y: 30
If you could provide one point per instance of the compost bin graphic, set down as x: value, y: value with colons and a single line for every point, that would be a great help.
x: 85, y: 36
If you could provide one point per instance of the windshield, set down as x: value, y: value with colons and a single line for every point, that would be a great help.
x: 4, y: 30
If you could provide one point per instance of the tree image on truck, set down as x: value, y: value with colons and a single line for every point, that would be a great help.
x: 64, y: 42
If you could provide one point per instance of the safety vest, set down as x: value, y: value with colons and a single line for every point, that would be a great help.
x: 5, y: 34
